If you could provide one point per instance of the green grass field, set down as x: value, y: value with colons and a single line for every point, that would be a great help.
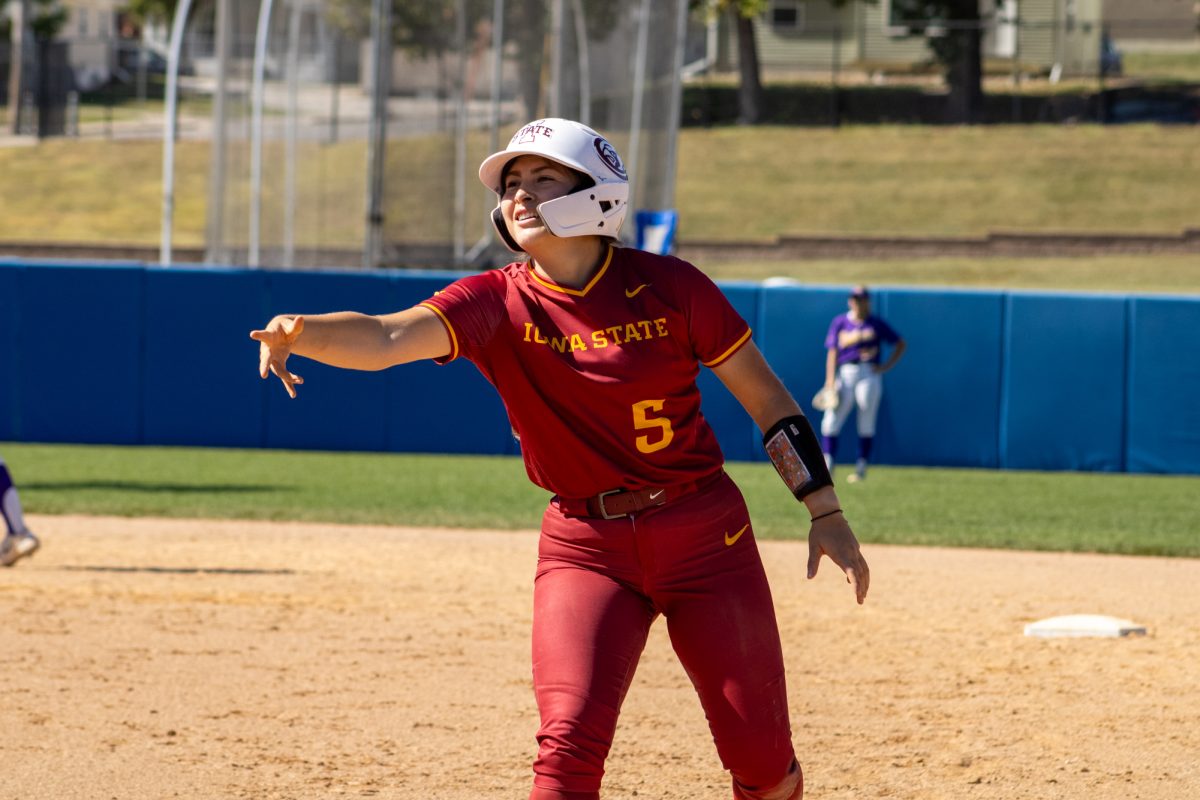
x: 1170, y: 274
x: 938, y: 181
x: 1169, y: 67
x: 1083, y: 512
x: 734, y: 184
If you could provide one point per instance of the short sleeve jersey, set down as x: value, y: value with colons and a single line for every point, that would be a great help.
x: 858, y: 341
x: 599, y: 382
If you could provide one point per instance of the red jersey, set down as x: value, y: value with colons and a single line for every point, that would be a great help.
x: 599, y: 382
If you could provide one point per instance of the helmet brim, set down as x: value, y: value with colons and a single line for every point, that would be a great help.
x: 493, y: 166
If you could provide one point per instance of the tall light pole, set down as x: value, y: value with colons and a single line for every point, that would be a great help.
x: 170, y: 125
x: 381, y: 81
x: 215, y: 245
x: 22, y: 42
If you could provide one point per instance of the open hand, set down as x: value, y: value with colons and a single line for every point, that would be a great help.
x: 831, y: 536
x: 275, y: 345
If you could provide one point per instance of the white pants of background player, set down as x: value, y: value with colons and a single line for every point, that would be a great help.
x: 859, y: 387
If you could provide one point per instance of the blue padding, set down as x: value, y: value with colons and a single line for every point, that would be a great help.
x: 792, y: 327
x: 941, y: 402
x: 736, y: 432
x: 656, y: 230
x: 103, y: 353
x: 949, y: 334
x: 202, y: 384
x: 81, y: 354
x: 1164, y: 383
x: 10, y: 352
x: 336, y: 409
x: 445, y: 409
x: 1064, y: 397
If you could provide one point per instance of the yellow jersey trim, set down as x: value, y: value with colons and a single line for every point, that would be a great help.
x: 575, y: 292
x: 736, y: 345
x: 449, y: 329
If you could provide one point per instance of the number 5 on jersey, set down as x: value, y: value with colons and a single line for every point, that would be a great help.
x: 643, y: 421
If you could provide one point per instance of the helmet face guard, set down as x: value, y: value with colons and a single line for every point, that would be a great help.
x: 596, y: 210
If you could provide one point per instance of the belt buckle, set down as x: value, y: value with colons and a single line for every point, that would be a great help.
x: 604, y: 511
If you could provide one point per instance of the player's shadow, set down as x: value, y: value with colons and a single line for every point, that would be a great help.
x: 147, y: 486
x: 179, y: 570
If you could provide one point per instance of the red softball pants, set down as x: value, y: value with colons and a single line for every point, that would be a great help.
x: 599, y: 586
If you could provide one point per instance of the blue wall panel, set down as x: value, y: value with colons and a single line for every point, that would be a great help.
x: 1064, y: 398
x: 736, y: 432
x: 81, y: 354
x: 202, y: 381
x: 127, y: 354
x: 10, y: 351
x: 791, y: 333
x: 1164, y: 384
x: 950, y: 334
x: 336, y: 409
x: 445, y: 409
x: 941, y: 402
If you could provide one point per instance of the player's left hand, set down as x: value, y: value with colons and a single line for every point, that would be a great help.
x: 831, y: 536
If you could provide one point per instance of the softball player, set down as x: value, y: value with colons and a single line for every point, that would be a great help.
x: 595, y: 350
x: 18, y: 541
x: 853, y: 370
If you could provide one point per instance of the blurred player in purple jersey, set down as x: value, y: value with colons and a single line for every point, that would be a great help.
x: 18, y: 541
x: 595, y: 349
x: 853, y: 368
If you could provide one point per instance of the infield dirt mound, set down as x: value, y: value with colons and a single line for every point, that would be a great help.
x: 151, y: 658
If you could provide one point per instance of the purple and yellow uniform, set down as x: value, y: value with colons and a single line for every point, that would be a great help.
x: 600, y: 385
x: 857, y: 341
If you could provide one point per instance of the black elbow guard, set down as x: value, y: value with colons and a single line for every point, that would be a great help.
x: 796, y: 453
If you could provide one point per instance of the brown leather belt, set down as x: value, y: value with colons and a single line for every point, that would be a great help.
x: 617, y: 503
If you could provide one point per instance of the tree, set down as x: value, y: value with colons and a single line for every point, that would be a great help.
x: 953, y: 29
x: 429, y: 28
x: 44, y: 19
x: 955, y: 37
x: 743, y: 12
x: 144, y: 10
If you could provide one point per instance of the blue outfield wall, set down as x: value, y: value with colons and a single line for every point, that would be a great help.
x: 133, y: 354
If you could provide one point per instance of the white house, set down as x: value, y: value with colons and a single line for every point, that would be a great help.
x: 811, y: 35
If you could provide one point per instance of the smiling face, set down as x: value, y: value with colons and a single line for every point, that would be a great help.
x: 527, y: 182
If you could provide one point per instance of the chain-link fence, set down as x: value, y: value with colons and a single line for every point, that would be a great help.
x: 321, y: 172
x: 318, y: 174
x: 828, y: 65
x: 308, y: 168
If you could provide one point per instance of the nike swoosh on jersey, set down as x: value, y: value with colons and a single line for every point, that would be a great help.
x: 634, y: 292
x: 730, y: 540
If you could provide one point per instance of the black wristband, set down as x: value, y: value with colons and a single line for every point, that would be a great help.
x: 796, y: 454
x: 826, y: 514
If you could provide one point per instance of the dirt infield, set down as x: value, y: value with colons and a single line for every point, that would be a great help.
x: 147, y: 658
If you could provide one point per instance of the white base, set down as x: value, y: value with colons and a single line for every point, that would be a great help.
x: 1077, y: 625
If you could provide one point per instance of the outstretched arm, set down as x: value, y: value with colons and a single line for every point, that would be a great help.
x: 750, y: 379
x: 350, y: 340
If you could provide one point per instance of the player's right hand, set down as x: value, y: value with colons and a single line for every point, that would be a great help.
x: 275, y: 344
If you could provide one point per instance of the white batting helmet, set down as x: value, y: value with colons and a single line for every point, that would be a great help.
x: 596, y: 210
